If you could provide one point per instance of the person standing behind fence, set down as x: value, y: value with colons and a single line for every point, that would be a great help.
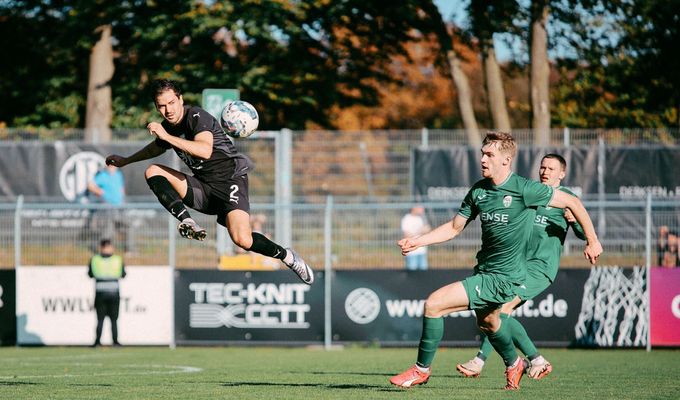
x: 414, y: 224
x: 108, y: 187
x: 106, y: 268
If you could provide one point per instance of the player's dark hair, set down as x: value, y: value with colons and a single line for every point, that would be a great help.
x: 557, y: 157
x: 104, y: 242
x: 506, y: 143
x: 161, y: 85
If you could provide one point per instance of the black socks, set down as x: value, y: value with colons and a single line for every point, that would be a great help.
x: 168, y: 197
x: 264, y: 246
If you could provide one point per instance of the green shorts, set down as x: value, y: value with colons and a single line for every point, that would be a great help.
x: 535, y: 283
x: 490, y: 290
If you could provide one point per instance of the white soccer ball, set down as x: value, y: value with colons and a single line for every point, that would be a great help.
x: 239, y: 119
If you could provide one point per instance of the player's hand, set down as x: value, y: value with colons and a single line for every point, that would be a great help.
x: 569, y: 216
x: 407, y: 245
x: 156, y: 129
x: 115, y: 160
x: 593, y: 251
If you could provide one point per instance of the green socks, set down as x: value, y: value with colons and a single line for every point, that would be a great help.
x: 501, y: 340
x: 433, y: 330
x: 519, y: 336
x: 485, y: 349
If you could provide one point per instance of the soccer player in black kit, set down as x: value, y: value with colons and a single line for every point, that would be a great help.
x: 219, y: 184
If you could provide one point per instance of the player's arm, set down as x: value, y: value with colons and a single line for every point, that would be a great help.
x: 575, y: 226
x: 151, y: 150
x: 564, y: 200
x: 200, y: 147
x: 440, y: 234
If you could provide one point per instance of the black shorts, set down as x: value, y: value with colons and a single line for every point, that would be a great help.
x: 218, y: 200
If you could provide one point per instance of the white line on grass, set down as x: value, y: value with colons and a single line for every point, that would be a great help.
x: 174, y: 369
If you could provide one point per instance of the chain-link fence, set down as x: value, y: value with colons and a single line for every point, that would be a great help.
x: 558, y: 136
x: 362, y: 235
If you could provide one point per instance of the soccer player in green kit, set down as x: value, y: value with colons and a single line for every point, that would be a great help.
x: 544, y: 251
x: 506, y: 204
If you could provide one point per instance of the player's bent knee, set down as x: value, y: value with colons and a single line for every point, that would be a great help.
x: 434, y: 306
x: 153, y: 170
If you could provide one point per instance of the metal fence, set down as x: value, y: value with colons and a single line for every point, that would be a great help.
x: 558, y: 136
x: 328, y: 234
x: 354, y: 166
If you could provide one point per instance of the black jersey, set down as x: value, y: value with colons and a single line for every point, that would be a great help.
x: 224, y: 162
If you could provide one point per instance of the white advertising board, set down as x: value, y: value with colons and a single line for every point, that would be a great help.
x: 55, y: 306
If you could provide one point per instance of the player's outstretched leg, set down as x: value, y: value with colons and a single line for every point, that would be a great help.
x: 299, y: 266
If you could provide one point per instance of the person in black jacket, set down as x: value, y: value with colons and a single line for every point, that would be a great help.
x: 106, y: 268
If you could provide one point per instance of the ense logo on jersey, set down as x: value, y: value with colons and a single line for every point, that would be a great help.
x: 493, y: 217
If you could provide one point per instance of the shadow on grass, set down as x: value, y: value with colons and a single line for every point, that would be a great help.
x: 316, y: 385
x: 91, y: 384
x: 455, y: 376
x: 17, y: 383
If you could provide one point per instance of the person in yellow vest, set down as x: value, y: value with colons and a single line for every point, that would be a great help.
x: 106, y: 268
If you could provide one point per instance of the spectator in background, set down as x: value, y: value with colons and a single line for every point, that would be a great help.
x: 106, y: 268
x: 108, y: 186
x: 414, y: 224
x: 670, y: 257
x: 661, y: 244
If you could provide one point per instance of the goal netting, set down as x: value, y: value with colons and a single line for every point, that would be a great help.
x: 614, y: 309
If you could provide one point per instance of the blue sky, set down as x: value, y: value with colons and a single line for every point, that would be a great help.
x: 455, y: 10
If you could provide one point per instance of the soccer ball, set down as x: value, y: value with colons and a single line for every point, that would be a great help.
x: 239, y: 119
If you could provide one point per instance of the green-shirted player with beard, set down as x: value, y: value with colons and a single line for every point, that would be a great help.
x: 506, y: 204
x: 543, y: 252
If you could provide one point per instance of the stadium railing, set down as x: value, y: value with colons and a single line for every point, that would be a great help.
x: 363, y: 235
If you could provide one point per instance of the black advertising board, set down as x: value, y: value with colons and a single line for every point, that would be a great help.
x: 214, y: 307
x: 593, y: 307
x: 387, y: 307
x: 444, y: 174
x: 8, y: 316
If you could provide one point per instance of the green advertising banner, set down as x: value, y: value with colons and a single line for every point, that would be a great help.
x: 214, y: 100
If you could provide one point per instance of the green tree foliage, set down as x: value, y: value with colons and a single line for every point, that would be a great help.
x: 294, y: 60
x: 625, y: 73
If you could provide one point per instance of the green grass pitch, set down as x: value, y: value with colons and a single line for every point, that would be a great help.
x: 302, y: 373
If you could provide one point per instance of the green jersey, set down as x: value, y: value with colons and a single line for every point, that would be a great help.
x: 545, y: 246
x: 507, y: 213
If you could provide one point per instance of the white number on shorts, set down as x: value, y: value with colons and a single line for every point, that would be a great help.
x: 232, y: 195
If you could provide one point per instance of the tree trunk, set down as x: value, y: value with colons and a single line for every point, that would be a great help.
x: 494, y: 87
x: 540, y: 73
x: 99, y: 111
x: 464, y: 99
